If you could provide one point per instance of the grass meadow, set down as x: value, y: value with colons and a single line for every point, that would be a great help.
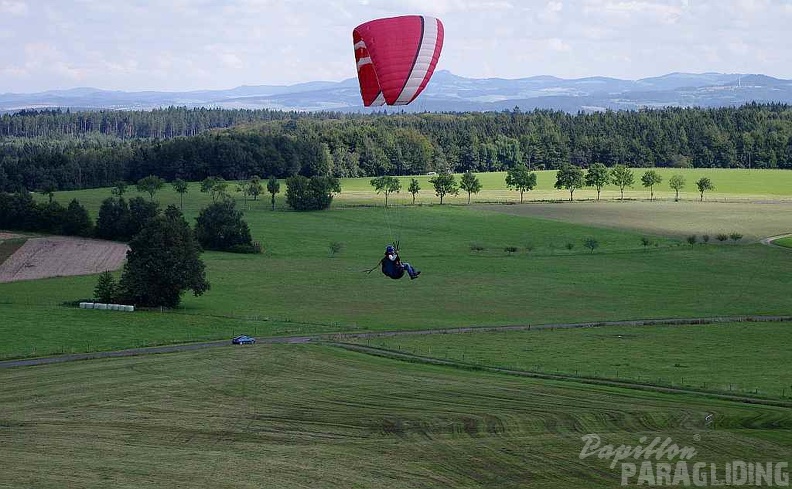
x: 299, y: 286
x: 311, y: 416
x: 318, y: 416
x: 748, y: 358
x: 785, y: 242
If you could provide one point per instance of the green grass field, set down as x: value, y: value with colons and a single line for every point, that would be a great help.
x: 317, y: 416
x: 9, y: 246
x: 730, y: 185
x: 785, y: 242
x: 297, y: 286
x: 286, y: 416
x: 747, y: 358
x: 753, y: 220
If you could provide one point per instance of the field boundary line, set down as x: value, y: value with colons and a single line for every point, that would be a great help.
x: 551, y: 326
x: 340, y: 337
x: 769, y: 241
x: 409, y: 357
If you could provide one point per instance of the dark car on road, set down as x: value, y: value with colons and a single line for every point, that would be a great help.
x: 243, y: 340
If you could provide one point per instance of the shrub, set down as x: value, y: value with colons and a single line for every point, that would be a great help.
x: 335, y: 247
x: 220, y: 227
x: 735, y: 236
x: 106, y: 289
x: 645, y: 241
x: 722, y: 236
x: 252, y: 249
x: 569, y: 246
x: 510, y: 249
x: 692, y: 239
x: 591, y: 243
x: 705, y: 238
x: 311, y: 194
x: 476, y: 247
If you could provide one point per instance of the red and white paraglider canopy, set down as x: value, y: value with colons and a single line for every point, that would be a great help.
x: 396, y: 57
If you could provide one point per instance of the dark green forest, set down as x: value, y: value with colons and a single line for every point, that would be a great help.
x: 63, y: 150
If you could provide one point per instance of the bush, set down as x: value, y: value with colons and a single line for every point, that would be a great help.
x: 220, y: 227
x: 106, y: 289
x: 335, y: 247
x: 569, y: 246
x: 311, y: 194
x: 476, y: 247
x: 250, y: 249
x: 510, y: 249
x: 692, y: 239
x: 736, y: 237
x: 645, y: 241
x: 722, y: 237
x: 112, y: 221
x: 705, y: 238
x: 591, y: 243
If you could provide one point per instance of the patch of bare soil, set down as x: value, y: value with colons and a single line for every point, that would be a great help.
x: 59, y: 256
x: 4, y: 236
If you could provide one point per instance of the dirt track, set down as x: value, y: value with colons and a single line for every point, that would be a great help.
x: 341, y: 337
x: 62, y: 256
x: 586, y: 380
x: 769, y: 241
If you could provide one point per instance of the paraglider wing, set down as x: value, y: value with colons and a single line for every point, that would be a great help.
x: 396, y: 57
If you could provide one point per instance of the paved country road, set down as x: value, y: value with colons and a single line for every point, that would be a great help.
x: 340, y: 337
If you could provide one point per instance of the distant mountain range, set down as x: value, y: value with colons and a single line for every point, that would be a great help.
x: 446, y: 93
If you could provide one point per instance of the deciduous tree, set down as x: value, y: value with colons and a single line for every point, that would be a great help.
x: 181, y: 187
x: 273, y: 187
x: 150, y: 185
x: 677, y: 183
x: 216, y: 187
x: 220, y: 227
x: 622, y: 177
x: 311, y: 194
x: 649, y: 180
x: 76, y: 221
x: 470, y: 184
x: 414, y: 188
x: 520, y: 178
x: 569, y: 177
x: 386, y: 185
x: 444, y: 184
x: 597, y: 176
x: 703, y: 184
x: 163, y: 262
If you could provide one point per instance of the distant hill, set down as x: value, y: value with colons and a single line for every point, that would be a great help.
x: 446, y: 92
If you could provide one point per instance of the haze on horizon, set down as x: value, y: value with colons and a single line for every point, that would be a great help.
x: 178, y: 45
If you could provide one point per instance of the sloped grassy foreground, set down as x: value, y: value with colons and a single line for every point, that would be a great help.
x: 747, y: 358
x: 311, y: 416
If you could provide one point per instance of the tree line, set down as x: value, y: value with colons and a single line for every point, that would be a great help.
x: 355, y: 145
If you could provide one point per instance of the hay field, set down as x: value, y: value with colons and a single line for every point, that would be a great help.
x: 289, y: 416
x: 753, y: 220
x: 58, y: 256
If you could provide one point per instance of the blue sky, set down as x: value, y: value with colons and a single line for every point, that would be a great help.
x: 211, y: 44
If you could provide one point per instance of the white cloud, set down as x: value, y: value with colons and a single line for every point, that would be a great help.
x: 13, y: 7
x: 193, y: 44
x: 558, y: 45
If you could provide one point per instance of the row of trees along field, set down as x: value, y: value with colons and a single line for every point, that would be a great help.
x: 72, y: 153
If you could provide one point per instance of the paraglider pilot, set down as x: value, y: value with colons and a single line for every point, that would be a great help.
x: 393, y: 267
